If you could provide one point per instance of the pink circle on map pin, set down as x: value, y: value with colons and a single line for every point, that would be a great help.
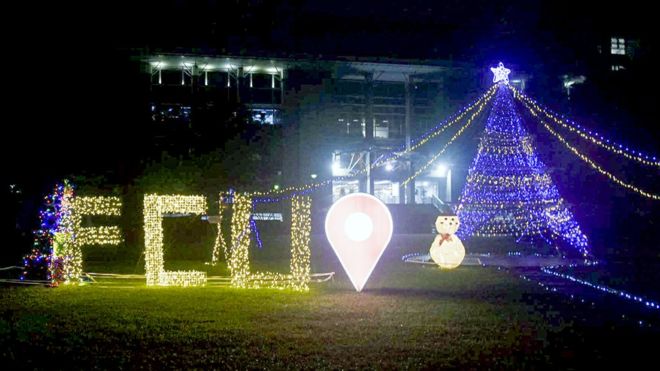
x: 359, y: 228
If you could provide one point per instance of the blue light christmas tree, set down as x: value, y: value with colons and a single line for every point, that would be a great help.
x: 44, y: 263
x: 508, y: 190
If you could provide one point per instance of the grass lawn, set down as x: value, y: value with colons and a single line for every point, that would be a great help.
x: 409, y: 316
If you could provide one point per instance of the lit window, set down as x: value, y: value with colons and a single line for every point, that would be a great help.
x: 617, y: 68
x: 618, y: 46
x: 265, y: 116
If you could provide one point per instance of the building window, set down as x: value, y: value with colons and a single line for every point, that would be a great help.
x: 341, y: 188
x: 382, y: 129
x: 425, y: 191
x: 265, y: 116
x: 387, y: 191
x: 165, y: 113
x: 618, y: 46
x: 617, y: 67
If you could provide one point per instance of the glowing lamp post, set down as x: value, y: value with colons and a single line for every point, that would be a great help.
x: 359, y: 227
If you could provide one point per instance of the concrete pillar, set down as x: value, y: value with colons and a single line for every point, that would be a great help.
x: 410, y: 187
x: 448, y: 187
x: 368, y: 107
x: 239, y: 75
x: 369, y: 128
x: 282, y: 87
x: 370, y: 178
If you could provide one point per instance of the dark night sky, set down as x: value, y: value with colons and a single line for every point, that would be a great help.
x: 68, y: 64
x: 75, y: 99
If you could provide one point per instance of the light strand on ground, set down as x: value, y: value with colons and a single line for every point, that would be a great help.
x: 182, y: 278
x: 552, y: 270
x: 593, y: 137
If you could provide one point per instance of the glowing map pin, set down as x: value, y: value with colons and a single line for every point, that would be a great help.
x: 359, y: 227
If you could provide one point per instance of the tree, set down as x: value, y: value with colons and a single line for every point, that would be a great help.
x: 508, y: 190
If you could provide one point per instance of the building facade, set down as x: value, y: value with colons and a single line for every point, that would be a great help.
x: 336, y: 116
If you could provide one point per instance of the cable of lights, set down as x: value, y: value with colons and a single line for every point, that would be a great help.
x: 638, y: 299
x: 508, y: 191
x: 444, y: 148
x: 420, y: 141
x: 597, y: 167
x: 595, y: 138
x: 439, y: 129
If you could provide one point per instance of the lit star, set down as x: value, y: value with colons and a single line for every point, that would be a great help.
x: 501, y: 73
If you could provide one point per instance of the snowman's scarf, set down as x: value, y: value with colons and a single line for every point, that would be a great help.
x: 444, y: 237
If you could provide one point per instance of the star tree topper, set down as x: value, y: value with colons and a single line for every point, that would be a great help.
x: 501, y: 73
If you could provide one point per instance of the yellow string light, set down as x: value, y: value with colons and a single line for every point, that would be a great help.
x: 598, y: 167
x: 535, y: 109
x: 182, y: 278
x: 155, y: 206
x: 98, y: 205
x: 296, y: 189
x: 479, y: 103
x: 512, y: 180
x: 105, y: 235
x: 220, y: 244
x: 239, y: 261
x: 95, y: 206
x: 64, y: 240
x: 453, y: 138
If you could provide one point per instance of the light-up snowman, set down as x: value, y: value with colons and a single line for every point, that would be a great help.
x: 447, y: 250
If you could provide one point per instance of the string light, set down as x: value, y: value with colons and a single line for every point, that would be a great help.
x: 598, y: 168
x: 69, y: 236
x: 220, y: 244
x: 253, y: 225
x: 444, y: 148
x: 98, y: 205
x: 479, y: 104
x: 95, y: 206
x: 64, y: 244
x: 595, y: 138
x: 269, y: 196
x: 553, y: 270
x: 508, y: 191
x: 239, y: 262
x: 182, y: 278
x: 155, y: 206
x: 43, y: 264
x: 105, y: 235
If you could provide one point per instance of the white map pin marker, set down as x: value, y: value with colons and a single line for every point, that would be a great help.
x: 359, y: 227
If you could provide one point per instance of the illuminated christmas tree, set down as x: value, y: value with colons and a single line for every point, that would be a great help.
x: 508, y: 190
x: 45, y: 262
